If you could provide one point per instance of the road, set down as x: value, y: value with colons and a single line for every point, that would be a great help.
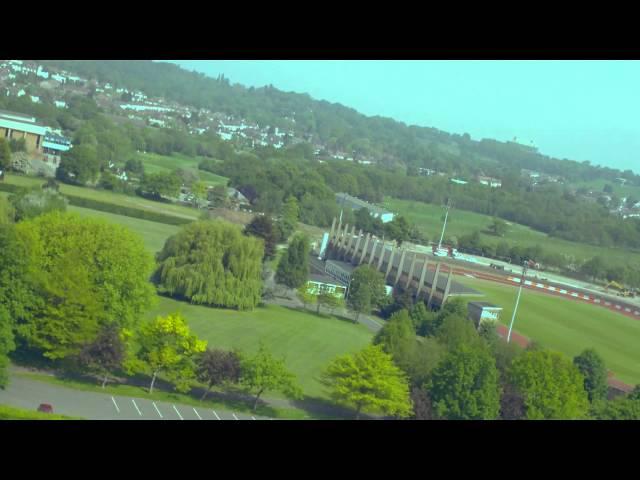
x: 28, y: 394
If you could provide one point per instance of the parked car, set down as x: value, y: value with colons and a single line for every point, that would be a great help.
x: 45, y: 408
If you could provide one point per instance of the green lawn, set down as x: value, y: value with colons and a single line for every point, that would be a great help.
x: 109, y: 197
x: 154, y: 234
x: 429, y: 218
x: 619, y: 190
x: 154, y: 163
x: 569, y: 326
x: 307, y: 341
x: 12, y: 413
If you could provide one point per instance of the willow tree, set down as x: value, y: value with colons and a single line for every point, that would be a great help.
x: 212, y: 263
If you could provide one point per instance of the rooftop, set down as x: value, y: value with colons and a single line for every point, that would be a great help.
x: 355, y: 202
x: 485, y: 305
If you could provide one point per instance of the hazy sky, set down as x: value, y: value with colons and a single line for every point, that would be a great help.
x: 581, y: 110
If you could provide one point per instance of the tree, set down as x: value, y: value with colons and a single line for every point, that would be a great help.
x: 262, y: 227
x: 595, y: 268
x: 211, y: 263
x: 215, y: 367
x: 79, y: 165
x: 369, y: 381
x: 293, y: 268
x: 607, y: 188
x: 366, y: 290
x: 621, y: 408
x: 456, y: 331
x: 36, y: 201
x: 159, y: 185
x: 7, y: 345
x: 7, y: 212
x: 398, y: 338
x: 498, y: 227
x: 135, y: 166
x: 553, y: 388
x: 263, y: 372
x: 327, y: 300
x: 167, y: 346
x: 464, y: 385
x: 512, y: 405
x: 592, y: 367
x: 105, y: 354
x: 199, y: 191
x: 85, y: 273
x: 422, y: 407
x: 218, y: 197
x: 5, y: 155
x: 424, y: 358
x: 306, y: 297
x: 290, y: 216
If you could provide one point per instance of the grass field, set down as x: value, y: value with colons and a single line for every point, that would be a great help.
x: 154, y: 234
x: 307, y: 341
x: 619, y: 190
x: 109, y: 197
x: 12, y: 413
x: 429, y: 218
x: 569, y: 326
x: 154, y: 163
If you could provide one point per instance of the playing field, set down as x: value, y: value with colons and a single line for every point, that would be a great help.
x: 154, y: 234
x: 429, y: 218
x: 569, y: 326
x: 308, y: 342
x: 154, y: 163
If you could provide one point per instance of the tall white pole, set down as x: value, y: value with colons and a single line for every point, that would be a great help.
x: 444, y: 226
x: 515, y: 309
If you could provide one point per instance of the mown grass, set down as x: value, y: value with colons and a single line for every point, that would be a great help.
x: 154, y: 163
x: 429, y: 219
x: 569, y: 326
x: 12, y: 413
x: 308, y: 342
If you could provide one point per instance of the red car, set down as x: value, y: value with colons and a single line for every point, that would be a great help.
x: 45, y: 408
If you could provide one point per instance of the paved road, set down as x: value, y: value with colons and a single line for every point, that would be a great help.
x: 28, y: 394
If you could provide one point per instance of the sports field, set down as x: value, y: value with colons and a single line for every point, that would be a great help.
x: 429, y: 218
x: 307, y: 341
x: 569, y: 326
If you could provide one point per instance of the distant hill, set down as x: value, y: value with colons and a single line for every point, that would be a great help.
x: 336, y: 127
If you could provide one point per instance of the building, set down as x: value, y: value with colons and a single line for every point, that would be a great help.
x: 481, y: 312
x: 319, y: 283
x: 490, y: 181
x: 338, y: 270
x: 354, y: 203
x: 53, y: 146
x: 17, y: 126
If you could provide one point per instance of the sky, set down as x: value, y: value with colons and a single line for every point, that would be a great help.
x: 580, y: 110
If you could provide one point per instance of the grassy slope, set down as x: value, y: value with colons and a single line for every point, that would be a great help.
x: 154, y: 163
x: 110, y: 197
x: 569, y: 326
x: 429, y: 219
x: 619, y: 190
x: 307, y: 341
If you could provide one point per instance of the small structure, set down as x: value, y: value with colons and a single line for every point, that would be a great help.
x: 53, y: 147
x: 338, y: 270
x: 490, y: 181
x: 319, y: 283
x: 481, y: 312
x: 457, y: 181
x: 17, y: 126
x: 354, y: 203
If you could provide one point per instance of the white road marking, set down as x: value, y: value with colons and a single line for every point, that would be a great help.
x: 214, y: 412
x: 234, y: 416
x: 174, y: 407
x: 135, y: 405
x: 157, y: 410
x: 196, y: 412
x: 115, y: 404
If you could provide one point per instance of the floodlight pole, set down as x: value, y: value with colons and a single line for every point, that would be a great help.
x: 515, y: 309
x: 446, y: 215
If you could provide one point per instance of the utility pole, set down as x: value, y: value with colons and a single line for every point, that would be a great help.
x: 445, y: 223
x: 515, y: 309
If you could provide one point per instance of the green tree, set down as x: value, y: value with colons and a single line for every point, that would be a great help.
x: 398, y: 338
x: 595, y: 267
x: 216, y: 367
x: 7, y: 212
x: 464, y: 385
x: 5, y: 155
x: 621, y: 408
x: 263, y: 372
x: 306, y: 297
x: 79, y: 165
x: 7, y: 345
x: 369, y: 381
x: 424, y: 358
x: 553, y: 388
x: 219, y: 198
x: 366, y: 290
x: 199, y: 191
x: 36, y: 201
x: 84, y: 273
x: 105, y: 354
x: 159, y: 185
x: 212, y: 263
x: 498, y: 227
x: 167, y: 347
x: 594, y: 370
x: 290, y: 216
x: 327, y: 300
x: 456, y: 331
x: 262, y: 227
x: 293, y: 268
